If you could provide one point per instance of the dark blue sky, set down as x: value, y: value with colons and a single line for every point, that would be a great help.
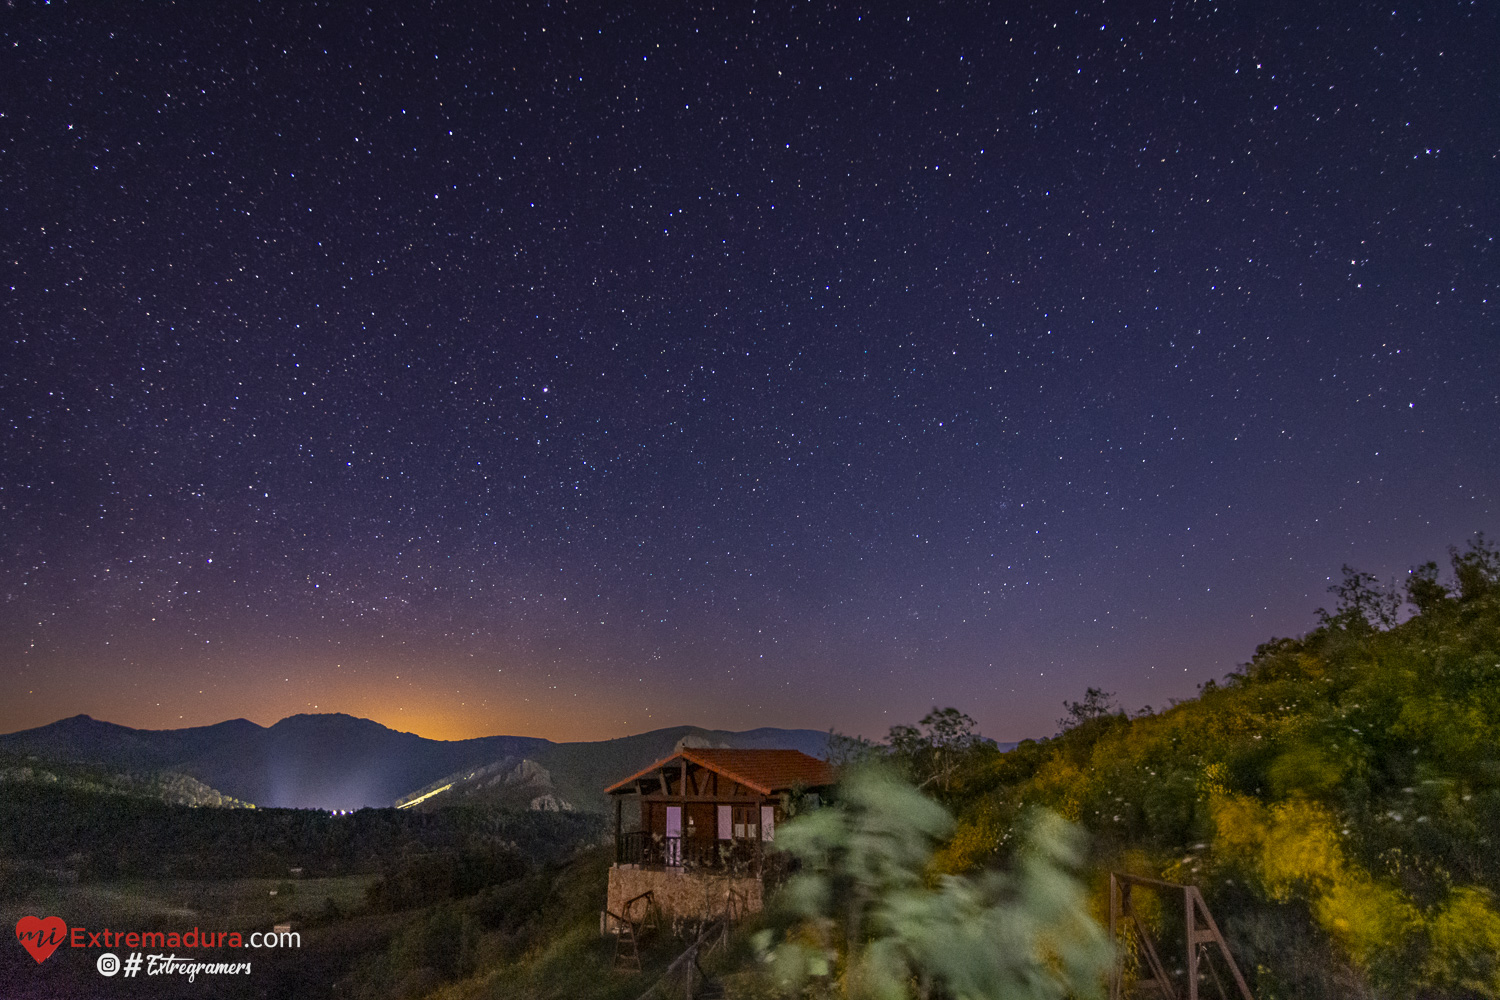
x: 571, y: 370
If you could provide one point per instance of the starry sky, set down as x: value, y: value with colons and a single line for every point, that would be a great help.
x: 573, y: 370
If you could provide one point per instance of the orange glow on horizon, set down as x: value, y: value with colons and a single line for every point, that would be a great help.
x: 438, y: 701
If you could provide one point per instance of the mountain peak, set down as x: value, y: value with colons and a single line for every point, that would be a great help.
x: 80, y: 721
x: 326, y: 716
x: 329, y: 720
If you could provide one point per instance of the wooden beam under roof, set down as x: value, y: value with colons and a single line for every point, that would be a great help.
x: 745, y: 799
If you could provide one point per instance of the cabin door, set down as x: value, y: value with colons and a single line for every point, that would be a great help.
x: 674, y: 835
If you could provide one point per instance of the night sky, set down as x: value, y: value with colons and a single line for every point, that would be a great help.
x: 575, y: 370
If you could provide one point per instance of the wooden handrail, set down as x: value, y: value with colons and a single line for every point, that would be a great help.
x: 1143, y: 880
x: 649, y: 896
x: 1195, y: 908
x: 690, y: 954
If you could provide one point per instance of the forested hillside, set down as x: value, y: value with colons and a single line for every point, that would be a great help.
x: 1337, y: 798
x: 95, y: 836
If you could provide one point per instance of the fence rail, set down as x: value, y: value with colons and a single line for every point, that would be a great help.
x: 641, y: 847
x: 1202, y: 943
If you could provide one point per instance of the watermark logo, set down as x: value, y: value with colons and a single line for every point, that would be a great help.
x: 109, y: 964
x: 41, y: 935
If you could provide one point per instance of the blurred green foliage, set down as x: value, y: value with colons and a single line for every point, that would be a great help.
x: 867, y: 918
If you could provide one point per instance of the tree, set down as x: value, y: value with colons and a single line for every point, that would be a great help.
x: 1096, y: 704
x: 935, y: 751
x: 862, y: 903
x: 1477, y: 569
x: 846, y: 750
x: 1363, y: 603
x: 1423, y: 589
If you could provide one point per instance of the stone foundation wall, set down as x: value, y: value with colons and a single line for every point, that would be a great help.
x: 680, y: 892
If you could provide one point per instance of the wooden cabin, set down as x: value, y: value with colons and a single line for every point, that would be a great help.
x: 694, y: 829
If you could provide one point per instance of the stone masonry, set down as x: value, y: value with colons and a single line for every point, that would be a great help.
x: 680, y: 893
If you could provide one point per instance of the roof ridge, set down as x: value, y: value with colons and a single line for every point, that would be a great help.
x: 704, y: 757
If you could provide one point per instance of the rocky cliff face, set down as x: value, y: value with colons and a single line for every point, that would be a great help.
x: 507, y: 783
x: 167, y: 786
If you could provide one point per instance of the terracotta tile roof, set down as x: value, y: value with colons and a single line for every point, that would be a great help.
x: 766, y: 771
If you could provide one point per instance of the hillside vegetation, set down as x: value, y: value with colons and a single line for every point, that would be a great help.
x: 92, y: 836
x: 383, y: 896
x: 1337, y: 798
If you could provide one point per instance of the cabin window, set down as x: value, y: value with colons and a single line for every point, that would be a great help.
x: 726, y: 822
x: 767, y: 823
x: 744, y: 823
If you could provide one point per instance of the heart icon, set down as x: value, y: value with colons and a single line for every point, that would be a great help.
x: 41, y: 936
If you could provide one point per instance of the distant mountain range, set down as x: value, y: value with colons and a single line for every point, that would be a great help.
x: 336, y: 761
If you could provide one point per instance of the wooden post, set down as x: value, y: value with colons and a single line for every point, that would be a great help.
x: 619, y: 826
x: 1192, y: 945
x: 1117, y: 968
x: 760, y: 834
x: 1212, y: 935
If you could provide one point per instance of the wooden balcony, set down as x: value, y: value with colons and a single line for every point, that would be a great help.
x: 653, y: 850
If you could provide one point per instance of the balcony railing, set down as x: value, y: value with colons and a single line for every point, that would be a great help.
x: 654, y: 850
